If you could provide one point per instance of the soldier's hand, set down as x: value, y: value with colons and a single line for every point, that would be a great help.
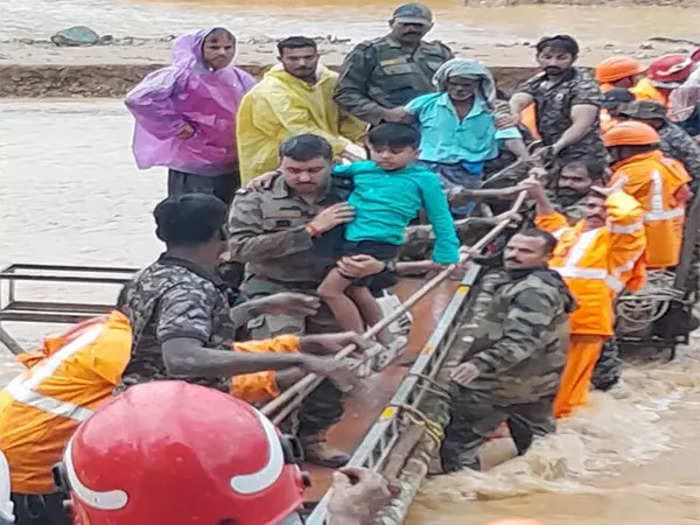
x: 464, y: 374
x: 262, y: 182
x: 358, y: 266
x: 359, y: 494
x: 333, y: 216
x: 533, y: 187
x: 333, y: 369
x: 332, y: 343
x: 288, y: 303
x: 399, y: 115
x: 506, y: 120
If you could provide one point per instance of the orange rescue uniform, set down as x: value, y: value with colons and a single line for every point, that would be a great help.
x: 41, y: 408
x: 528, y: 117
x: 597, y: 265
x: 660, y: 184
x: 261, y: 386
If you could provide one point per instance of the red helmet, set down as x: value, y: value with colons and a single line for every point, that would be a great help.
x: 173, y: 452
x: 670, y: 71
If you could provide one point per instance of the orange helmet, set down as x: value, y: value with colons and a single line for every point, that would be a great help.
x: 137, y: 459
x: 670, y: 71
x: 617, y: 68
x: 630, y: 133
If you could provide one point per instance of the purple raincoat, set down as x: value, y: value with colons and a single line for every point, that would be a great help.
x: 188, y: 92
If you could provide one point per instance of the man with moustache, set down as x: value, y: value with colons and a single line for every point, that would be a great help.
x: 380, y: 76
x: 293, y: 97
x: 512, y: 370
x: 598, y: 257
x: 567, y: 102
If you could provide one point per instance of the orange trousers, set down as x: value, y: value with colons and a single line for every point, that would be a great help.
x: 581, y: 358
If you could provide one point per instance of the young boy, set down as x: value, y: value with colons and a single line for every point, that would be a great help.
x: 389, y: 190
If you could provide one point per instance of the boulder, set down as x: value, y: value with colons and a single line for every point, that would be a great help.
x: 76, y: 36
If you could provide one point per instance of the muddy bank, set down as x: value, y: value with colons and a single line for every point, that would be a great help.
x: 116, y: 80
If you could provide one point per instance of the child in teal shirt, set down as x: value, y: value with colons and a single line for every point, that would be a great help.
x: 389, y: 190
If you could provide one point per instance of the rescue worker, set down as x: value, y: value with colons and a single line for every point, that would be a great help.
x: 458, y: 126
x: 658, y: 182
x: 512, y: 371
x: 675, y: 142
x: 381, y: 76
x: 598, y: 257
x: 183, y: 317
x: 41, y: 408
x: 293, y: 97
x: 567, y: 102
x: 618, y: 72
x: 282, y: 234
x: 664, y: 74
x: 233, y: 468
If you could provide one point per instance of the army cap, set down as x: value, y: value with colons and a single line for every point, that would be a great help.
x: 413, y: 13
x: 643, y: 110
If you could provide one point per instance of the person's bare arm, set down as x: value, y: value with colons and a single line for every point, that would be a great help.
x: 519, y: 101
x: 583, y: 117
x: 518, y: 148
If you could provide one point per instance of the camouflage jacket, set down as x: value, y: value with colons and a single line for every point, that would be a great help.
x: 677, y: 144
x: 174, y: 298
x: 381, y: 73
x: 266, y: 231
x: 522, y: 335
x: 553, y: 105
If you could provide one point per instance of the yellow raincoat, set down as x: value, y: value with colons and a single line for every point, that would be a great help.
x: 282, y: 106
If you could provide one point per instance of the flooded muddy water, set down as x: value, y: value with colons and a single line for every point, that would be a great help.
x: 39, y: 19
x: 71, y: 194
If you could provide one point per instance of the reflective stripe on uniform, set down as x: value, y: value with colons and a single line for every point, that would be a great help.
x: 22, y: 388
x: 628, y: 228
x: 657, y: 212
x: 571, y: 270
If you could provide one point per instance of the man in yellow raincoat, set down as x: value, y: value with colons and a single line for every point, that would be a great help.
x: 294, y: 97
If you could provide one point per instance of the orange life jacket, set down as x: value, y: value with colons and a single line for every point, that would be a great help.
x: 598, y: 264
x: 41, y: 408
x: 660, y: 184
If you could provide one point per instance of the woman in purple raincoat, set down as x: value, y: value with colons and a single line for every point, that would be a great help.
x: 186, y: 115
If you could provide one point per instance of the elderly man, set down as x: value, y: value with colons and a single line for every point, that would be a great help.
x: 675, y: 142
x: 512, y: 371
x: 458, y: 125
x: 380, y: 76
x: 293, y: 97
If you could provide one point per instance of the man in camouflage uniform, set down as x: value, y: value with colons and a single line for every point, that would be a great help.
x: 675, y: 142
x: 184, y: 318
x: 512, y: 371
x: 567, y: 101
x: 380, y: 76
x: 287, y: 235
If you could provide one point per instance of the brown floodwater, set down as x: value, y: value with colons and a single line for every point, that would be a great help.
x: 72, y: 195
x: 38, y: 19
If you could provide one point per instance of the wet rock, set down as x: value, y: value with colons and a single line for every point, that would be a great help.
x: 608, y: 46
x: 106, y: 39
x: 646, y: 45
x: 76, y: 36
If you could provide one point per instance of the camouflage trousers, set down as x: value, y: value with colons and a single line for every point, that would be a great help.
x: 475, y: 416
x: 323, y: 408
x: 608, y: 368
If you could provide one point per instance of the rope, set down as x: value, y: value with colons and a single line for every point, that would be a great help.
x: 638, y: 310
x: 417, y: 417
